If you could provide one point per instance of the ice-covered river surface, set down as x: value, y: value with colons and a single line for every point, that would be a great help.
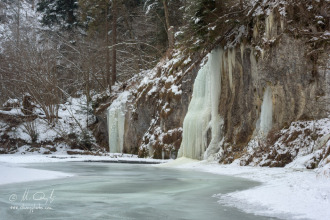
x: 122, y: 191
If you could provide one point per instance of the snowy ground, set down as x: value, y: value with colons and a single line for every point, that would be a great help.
x: 286, y: 193
x: 13, y: 173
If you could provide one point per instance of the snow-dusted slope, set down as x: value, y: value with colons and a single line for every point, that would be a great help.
x: 18, y: 22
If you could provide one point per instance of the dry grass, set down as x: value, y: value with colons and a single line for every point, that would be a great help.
x: 273, y: 136
x: 294, y: 135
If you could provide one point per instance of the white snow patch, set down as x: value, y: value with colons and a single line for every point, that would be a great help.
x: 13, y: 173
x: 175, y: 89
x: 284, y: 193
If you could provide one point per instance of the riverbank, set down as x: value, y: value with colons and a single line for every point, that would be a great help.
x: 113, y: 157
x: 12, y: 170
x: 288, y: 193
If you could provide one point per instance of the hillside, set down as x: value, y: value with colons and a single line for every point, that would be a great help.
x: 268, y: 107
x: 240, y: 81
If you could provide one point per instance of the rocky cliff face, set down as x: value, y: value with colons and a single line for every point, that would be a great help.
x: 298, y: 93
x: 272, y: 55
x: 156, y: 112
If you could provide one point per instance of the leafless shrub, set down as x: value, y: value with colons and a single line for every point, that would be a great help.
x: 30, y: 128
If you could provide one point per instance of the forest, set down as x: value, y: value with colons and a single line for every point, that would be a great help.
x: 117, y: 76
x: 165, y: 109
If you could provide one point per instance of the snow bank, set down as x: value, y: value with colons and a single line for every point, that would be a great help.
x: 178, y: 162
x: 284, y: 193
x: 116, y: 157
x: 12, y: 173
x: 72, y: 119
x: 305, y: 142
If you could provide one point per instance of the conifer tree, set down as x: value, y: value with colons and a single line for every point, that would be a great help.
x: 60, y: 12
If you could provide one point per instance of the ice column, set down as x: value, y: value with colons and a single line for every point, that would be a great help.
x: 116, y: 123
x: 202, y: 115
x: 266, y: 116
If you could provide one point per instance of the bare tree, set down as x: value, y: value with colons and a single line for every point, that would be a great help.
x: 114, y: 42
x: 169, y: 28
x: 18, y: 21
x: 107, y: 29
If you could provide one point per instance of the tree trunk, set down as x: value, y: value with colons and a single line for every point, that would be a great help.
x: 70, y: 12
x: 170, y: 31
x: 114, y: 42
x: 87, y: 96
x: 107, y: 65
x: 18, y: 21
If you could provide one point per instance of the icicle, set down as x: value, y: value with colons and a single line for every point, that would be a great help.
x: 242, y: 46
x: 270, y: 25
x: 266, y: 116
x: 282, y: 24
x: 202, y: 115
x: 262, y: 54
x: 116, y: 123
x: 253, y: 61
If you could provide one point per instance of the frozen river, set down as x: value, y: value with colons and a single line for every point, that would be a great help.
x: 122, y: 191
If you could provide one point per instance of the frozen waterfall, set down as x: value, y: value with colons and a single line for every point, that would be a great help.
x: 202, y: 116
x: 116, y: 123
x: 266, y: 116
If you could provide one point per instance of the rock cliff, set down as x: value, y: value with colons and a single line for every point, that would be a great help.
x: 273, y: 59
